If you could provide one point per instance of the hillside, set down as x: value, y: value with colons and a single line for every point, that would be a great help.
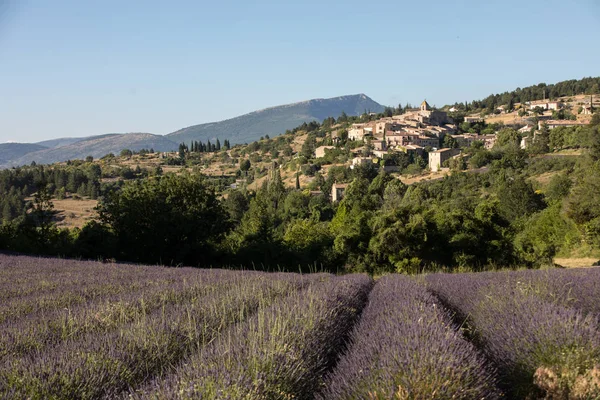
x: 276, y: 120
x: 540, y: 91
x: 247, y: 128
x: 97, y: 146
x: 54, y: 143
x: 12, y: 151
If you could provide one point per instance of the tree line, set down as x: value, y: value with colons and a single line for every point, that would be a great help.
x: 540, y: 91
x: 466, y: 221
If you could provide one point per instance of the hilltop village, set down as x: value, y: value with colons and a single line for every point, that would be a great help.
x: 435, y: 136
x: 425, y: 129
x: 413, y: 132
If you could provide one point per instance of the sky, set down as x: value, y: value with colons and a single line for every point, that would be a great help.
x: 72, y: 68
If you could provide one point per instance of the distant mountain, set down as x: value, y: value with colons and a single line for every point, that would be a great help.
x: 243, y: 129
x: 276, y: 120
x: 54, y: 143
x: 12, y: 151
x: 95, y: 146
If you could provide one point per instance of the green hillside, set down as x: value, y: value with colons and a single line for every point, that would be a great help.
x: 276, y: 120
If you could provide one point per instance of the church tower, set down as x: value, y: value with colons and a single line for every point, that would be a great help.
x: 425, y: 106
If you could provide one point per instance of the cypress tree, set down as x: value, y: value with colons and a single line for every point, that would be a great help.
x: 218, y: 145
x: 297, y: 180
x: 93, y: 191
x: 82, y: 191
x: 7, y: 214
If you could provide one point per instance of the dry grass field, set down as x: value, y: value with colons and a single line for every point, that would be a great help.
x: 72, y: 213
x: 409, y: 180
x: 584, y: 262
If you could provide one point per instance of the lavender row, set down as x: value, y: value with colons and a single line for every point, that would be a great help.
x: 39, y: 331
x: 282, y: 352
x: 405, y: 346
x: 99, y: 286
x: 103, y: 365
x: 577, y: 288
x: 70, y: 296
x: 541, y: 348
x: 17, y: 271
x: 22, y: 275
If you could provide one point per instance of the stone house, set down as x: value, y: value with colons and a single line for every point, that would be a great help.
x: 356, y: 132
x: 320, y: 151
x: 473, y: 120
x: 360, y: 161
x: 586, y: 109
x: 338, y: 190
x: 412, y: 149
x: 546, y: 105
x: 552, y: 123
x: 437, y: 158
x: 425, y: 141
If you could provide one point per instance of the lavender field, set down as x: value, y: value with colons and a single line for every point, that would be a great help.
x: 86, y: 330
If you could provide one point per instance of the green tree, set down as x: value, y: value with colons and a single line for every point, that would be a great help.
x: 545, y: 234
x: 517, y: 199
x: 507, y: 137
x: 236, y: 204
x: 450, y: 142
x: 245, y: 165
x: 42, y: 212
x: 295, y: 205
x: 310, y: 241
x: 174, y: 219
x: 60, y: 193
x: 82, y: 190
x: 342, y: 118
x: 126, y: 153
x: 309, y: 146
x: 558, y: 188
x: 393, y: 194
x: 541, y: 142
x: 7, y: 212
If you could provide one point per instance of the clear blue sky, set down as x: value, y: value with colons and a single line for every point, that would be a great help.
x: 78, y: 68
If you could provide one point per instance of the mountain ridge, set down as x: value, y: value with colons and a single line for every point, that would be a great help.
x: 276, y: 120
x: 244, y: 128
x: 95, y: 146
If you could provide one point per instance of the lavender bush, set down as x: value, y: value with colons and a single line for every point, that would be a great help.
x: 34, y: 285
x: 281, y: 353
x: 115, y: 344
x: 37, y: 331
x: 406, y: 347
x: 578, y: 288
x: 541, y: 348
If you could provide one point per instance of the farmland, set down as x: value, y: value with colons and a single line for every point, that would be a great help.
x: 86, y: 330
